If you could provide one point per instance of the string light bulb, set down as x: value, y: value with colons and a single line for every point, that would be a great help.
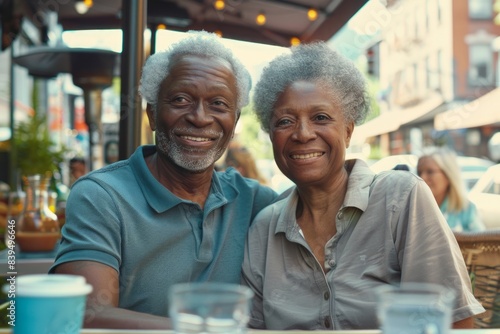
x: 261, y: 19
x: 219, y: 4
x: 218, y: 33
x: 88, y: 3
x: 294, y: 41
x: 161, y: 26
x: 81, y: 8
x: 312, y: 14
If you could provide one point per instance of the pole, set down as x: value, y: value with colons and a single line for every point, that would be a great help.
x: 133, y: 26
x: 12, y: 174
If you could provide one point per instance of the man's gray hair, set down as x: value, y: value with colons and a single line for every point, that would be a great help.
x: 200, y: 43
x: 315, y: 62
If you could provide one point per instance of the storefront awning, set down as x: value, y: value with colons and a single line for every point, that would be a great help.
x: 391, y: 121
x: 387, y: 122
x: 482, y: 111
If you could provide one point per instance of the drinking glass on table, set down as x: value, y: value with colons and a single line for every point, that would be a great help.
x: 210, y: 308
x: 415, y: 308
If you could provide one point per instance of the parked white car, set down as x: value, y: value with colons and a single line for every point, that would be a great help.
x: 486, y: 196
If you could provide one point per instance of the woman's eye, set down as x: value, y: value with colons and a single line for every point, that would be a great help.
x: 283, y: 122
x: 322, y: 117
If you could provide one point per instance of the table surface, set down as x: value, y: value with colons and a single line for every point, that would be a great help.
x: 27, y: 263
x: 121, y: 331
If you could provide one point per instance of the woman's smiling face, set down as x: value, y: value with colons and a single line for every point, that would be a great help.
x: 309, y: 133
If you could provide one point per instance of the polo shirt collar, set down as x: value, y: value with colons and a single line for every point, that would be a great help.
x: 160, y: 198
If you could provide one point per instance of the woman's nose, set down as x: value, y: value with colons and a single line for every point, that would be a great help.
x: 304, y: 132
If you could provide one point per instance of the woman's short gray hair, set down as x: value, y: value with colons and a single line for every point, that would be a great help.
x: 201, y: 43
x: 315, y: 62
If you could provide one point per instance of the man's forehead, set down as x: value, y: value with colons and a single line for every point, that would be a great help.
x: 198, y: 59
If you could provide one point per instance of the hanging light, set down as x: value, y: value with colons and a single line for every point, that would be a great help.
x: 312, y: 14
x: 219, y: 4
x: 161, y: 26
x: 294, y: 41
x: 261, y: 19
x: 82, y: 6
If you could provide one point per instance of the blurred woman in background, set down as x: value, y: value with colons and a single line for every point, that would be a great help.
x: 241, y: 159
x: 439, y: 168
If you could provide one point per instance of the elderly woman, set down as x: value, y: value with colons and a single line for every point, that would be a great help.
x: 439, y: 168
x: 315, y: 258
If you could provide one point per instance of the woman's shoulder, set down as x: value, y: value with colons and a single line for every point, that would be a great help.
x: 396, y: 181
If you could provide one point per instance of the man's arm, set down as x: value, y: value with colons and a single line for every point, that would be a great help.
x: 102, y: 303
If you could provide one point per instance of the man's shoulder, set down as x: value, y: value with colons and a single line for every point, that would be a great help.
x: 232, y: 178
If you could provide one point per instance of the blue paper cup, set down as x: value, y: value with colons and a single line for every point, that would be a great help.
x: 49, y: 304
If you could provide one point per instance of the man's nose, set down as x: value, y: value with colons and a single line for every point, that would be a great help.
x: 200, y: 115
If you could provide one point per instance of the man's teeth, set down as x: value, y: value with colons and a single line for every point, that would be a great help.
x: 195, y: 138
x: 307, y: 156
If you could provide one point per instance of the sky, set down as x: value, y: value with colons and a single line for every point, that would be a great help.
x: 253, y: 55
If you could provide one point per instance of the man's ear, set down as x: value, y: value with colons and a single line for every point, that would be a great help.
x: 151, y: 116
x: 238, y: 113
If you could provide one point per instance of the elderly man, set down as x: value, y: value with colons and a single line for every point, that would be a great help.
x: 164, y: 216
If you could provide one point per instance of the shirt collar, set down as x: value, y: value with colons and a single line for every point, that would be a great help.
x: 161, y: 199
x: 357, y: 195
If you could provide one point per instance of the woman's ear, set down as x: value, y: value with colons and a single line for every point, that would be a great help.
x: 349, y: 130
x: 151, y: 116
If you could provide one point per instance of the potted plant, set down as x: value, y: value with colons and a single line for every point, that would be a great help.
x: 37, y: 157
x: 36, y: 153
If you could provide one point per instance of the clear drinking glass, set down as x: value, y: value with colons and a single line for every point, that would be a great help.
x: 210, y: 308
x: 415, y: 308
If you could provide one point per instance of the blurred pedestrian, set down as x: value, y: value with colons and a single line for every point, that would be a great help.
x: 240, y: 158
x: 439, y: 168
x: 77, y: 168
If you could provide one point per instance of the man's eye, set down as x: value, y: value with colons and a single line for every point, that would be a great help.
x: 179, y: 99
x: 220, y: 103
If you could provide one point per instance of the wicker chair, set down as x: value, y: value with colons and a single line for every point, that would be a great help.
x: 481, y: 251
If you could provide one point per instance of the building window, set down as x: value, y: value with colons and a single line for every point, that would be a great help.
x: 434, y: 71
x: 480, y: 9
x: 480, y: 64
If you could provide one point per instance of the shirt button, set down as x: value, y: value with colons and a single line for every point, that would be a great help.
x: 331, y: 263
x: 326, y: 295
x: 327, y: 322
